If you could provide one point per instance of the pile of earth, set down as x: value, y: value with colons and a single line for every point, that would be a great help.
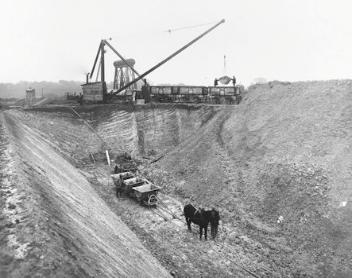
x: 279, y: 168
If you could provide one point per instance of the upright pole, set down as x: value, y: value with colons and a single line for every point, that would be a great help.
x: 115, y: 78
x: 95, y: 60
x: 102, y: 70
x: 224, y: 64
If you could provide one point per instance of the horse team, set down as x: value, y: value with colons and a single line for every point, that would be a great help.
x: 202, y: 218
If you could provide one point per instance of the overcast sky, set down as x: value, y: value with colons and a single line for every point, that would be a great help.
x: 275, y: 39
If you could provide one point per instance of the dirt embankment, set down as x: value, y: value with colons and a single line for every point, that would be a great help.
x: 279, y: 169
x: 297, y: 139
x: 53, y: 222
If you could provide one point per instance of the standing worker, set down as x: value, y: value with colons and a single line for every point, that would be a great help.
x: 234, y: 81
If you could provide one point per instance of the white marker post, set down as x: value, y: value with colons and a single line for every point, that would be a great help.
x: 108, y: 157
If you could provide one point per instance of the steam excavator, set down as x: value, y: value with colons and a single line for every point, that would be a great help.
x: 97, y: 91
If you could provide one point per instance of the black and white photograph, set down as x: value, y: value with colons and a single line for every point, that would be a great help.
x: 186, y: 139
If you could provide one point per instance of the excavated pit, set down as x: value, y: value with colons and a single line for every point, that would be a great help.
x: 277, y: 167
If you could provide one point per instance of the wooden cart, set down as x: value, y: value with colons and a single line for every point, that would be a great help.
x: 136, y: 187
x: 146, y: 194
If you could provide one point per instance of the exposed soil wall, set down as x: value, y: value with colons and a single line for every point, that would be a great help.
x: 59, y: 226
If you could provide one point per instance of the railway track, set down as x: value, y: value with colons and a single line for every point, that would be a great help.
x: 169, y: 211
x: 155, y: 210
x: 165, y: 207
x: 168, y: 214
x: 161, y: 209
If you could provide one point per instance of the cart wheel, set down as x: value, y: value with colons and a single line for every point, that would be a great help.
x: 152, y: 200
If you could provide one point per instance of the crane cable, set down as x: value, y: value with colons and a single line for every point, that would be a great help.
x: 224, y: 71
x: 188, y: 27
x: 90, y: 127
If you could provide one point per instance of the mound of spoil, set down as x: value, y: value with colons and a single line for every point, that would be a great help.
x: 279, y: 168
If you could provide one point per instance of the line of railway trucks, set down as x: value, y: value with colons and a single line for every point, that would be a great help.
x: 193, y: 94
x: 93, y: 93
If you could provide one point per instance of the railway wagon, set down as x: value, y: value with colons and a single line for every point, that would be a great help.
x: 161, y: 93
x: 178, y: 93
x: 136, y: 187
x: 191, y: 93
x: 124, y: 163
x: 223, y: 95
x: 195, y: 94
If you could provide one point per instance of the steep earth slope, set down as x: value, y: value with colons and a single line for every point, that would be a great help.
x: 279, y: 169
x: 55, y: 224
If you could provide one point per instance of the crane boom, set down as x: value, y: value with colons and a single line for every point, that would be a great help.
x: 169, y: 57
x: 101, y: 53
x: 95, y: 61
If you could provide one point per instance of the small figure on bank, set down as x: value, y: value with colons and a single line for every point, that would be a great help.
x: 234, y: 81
x: 116, y: 169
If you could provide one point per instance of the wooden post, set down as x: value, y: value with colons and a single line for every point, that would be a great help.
x: 108, y: 157
x: 102, y: 70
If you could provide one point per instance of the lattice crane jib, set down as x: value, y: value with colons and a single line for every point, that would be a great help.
x: 124, y: 74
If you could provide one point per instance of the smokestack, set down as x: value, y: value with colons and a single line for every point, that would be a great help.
x: 87, y: 76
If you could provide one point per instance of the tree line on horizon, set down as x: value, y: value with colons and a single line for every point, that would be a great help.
x: 45, y: 88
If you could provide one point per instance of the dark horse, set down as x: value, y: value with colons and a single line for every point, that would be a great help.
x: 214, y: 217
x: 202, y: 218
